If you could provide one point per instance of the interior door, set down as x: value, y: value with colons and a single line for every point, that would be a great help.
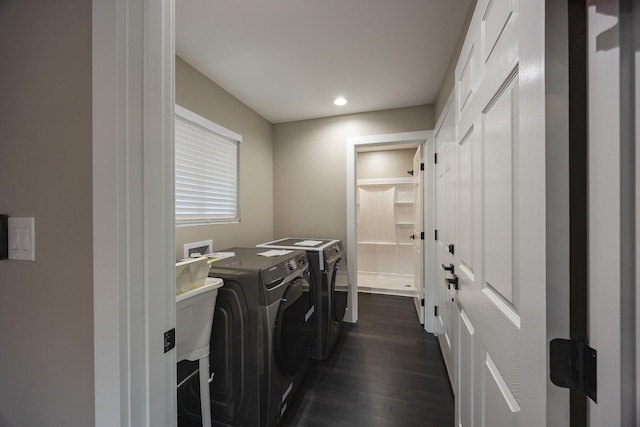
x: 468, y: 225
x: 445, y: 237
x: 487, y: 239
x: 493, y: 173
x: 418, y: 228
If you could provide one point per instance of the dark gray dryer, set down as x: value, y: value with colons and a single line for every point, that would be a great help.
x: 329, y: 287
x: 263, y: 331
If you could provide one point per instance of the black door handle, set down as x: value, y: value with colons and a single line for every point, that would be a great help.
x: 449, y: 269
x: 413, y: 236
x: 453, y: 281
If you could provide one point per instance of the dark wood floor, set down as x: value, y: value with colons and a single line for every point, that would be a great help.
x: 385, y: 371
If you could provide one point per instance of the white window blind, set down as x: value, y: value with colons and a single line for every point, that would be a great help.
x: 206, y: 157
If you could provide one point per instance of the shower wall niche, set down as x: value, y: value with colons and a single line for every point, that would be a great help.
x: 385, y: 224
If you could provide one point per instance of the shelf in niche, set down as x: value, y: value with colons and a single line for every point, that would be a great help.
x: 385, y: 181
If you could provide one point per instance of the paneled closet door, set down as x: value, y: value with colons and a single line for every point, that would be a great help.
x: 468, y: 256
x: 499, y: 212
x: 446, y: 317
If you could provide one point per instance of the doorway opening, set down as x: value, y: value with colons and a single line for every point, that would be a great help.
x: 386, y: 252
x: 385, y: 219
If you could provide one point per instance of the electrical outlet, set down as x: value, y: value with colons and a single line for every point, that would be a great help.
x: 22, y: 239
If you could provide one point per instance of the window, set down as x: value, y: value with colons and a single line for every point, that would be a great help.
x: 207, y: 185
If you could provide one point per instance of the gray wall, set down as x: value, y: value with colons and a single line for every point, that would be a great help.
x: 199, y: 94
x: 46, y: 307
x: 385, y: 164
x: 310, y: 167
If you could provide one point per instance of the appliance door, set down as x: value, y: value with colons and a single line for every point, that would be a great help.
x: 338, y: 294
x: 294, y: 328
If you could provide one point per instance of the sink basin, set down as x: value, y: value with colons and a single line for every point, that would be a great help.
x: 194, y: 318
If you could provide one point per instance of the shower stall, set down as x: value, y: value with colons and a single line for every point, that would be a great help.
x: 385, y: 213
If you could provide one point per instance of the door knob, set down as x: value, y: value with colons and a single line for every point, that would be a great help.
x: 413, y: 236
x: 453, y: 281
x: 449, y: 269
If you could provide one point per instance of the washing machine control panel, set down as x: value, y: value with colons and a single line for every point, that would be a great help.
x: 273, y: 276
x: 296, y: 263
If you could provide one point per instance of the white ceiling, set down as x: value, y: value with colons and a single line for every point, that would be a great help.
x: 287, y: 59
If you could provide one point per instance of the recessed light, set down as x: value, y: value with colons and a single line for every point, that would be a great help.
x: 340, y: 101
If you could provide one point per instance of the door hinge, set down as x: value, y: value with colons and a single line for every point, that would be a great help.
x: 436, y: 235
x: 435, y: 158
x: 573, y: 365
x: 169, y: 340
x: 422, y: 302
x: 435, y: 311
x: 422, y: 235
x: 421, y: 166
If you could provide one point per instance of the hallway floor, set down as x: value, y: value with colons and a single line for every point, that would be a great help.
x: 385, y: 371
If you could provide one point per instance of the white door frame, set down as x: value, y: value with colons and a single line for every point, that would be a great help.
x: 133, y: 212
x: 418, y: 229
x: 613, y: 208
x: 353, y: 144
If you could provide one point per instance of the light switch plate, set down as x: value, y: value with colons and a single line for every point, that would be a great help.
x: 22, y: 238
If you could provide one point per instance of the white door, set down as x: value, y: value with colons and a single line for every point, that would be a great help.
x: 613, y: 210
x: 418, y: 243
x: 445, y: 318
x: 493, y: 174
x: 467, y: 185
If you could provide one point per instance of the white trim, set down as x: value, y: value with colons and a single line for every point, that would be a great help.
x: 429, y: 221
x: 353, y: 144
x: 206, y: 123
x: 111, y: 391
x: 612, y: 219
x: 133, y: 213
x: 388, y: 139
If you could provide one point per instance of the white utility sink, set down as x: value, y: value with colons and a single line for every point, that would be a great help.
x: 194, y: 319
